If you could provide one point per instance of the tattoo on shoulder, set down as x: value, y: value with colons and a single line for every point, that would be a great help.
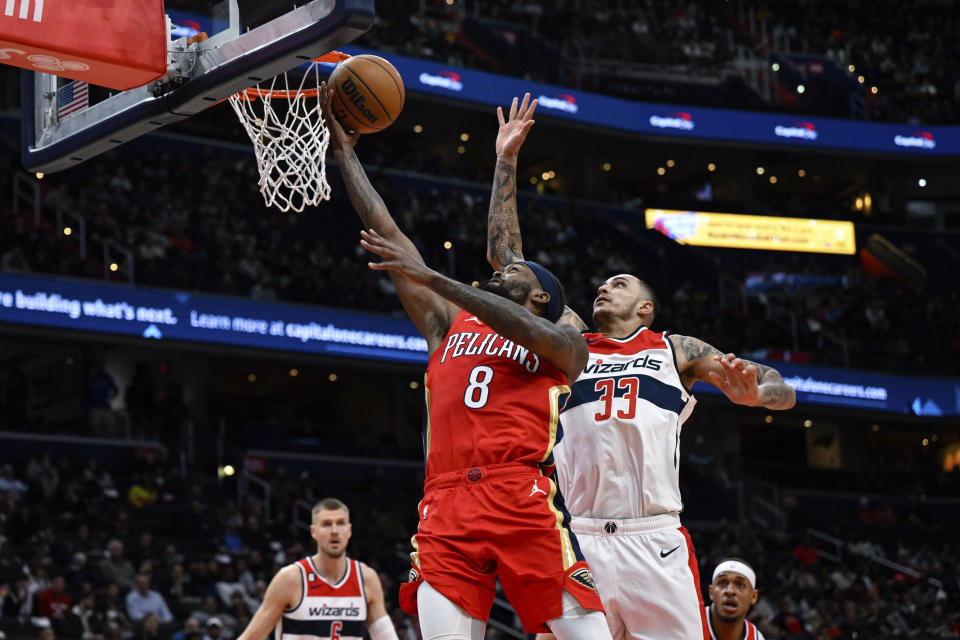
x: 573, y: 319
x: 694, y: 348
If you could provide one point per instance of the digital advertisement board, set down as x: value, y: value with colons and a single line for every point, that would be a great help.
x: 739, y: 231
x: 157, y: 314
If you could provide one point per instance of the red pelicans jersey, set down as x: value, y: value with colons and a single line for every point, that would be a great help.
x: 620, y: 452
x: 489, y: 401
x: 326, y: 611
x: 750, y: 631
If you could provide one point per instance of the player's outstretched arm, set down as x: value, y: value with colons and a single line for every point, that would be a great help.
x: 282, y: 592
x: 430, y: 313
x: 742, y: 381
x: 379, y: 624
x: 504, y: 242
x: 559, y: 344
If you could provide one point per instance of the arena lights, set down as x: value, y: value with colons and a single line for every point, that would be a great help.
x: 926, y: 441
x: 773, y: 179
x: 228, y: 470
x: 448, y: 245
x: 874, y: 89
x: 711, y: 167
x: 852, y: 68
x: 533, y: 179
x: 875, y: 428
x: 67, y: 231
x: 807, y: 423
x: 671, y: 164
x: 39, y: 175
x: 801, y: 88
x: 661, y: 171
x: 294, y: 373
x: 802, y: 173
x: 861, y: 79
x: 414, y: 384
x: 332, y: 377
x: 114, y: 266
x: 775, y: 66
x: 761, y: 171
x: 464, y: 137
x: 768, y: 419
x: 461, y: 149
x: 607, y: 166
x: 418, y: 128
x: 252, y: 377
x: 922, y: 182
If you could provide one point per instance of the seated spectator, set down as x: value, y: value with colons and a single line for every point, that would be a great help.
x: 190, y: 631
x: 142, y: 600
x: 9, y: 483
x: 54, y: 603
x: 149, y: 628
x: 215, y: 630
x: 116, y: 568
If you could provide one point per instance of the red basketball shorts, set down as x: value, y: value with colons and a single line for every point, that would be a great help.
x: 506, y: 521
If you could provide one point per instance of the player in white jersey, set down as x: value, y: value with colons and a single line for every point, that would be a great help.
x: 618, y: 460
x: 733, y: 591
x: 327, y: 596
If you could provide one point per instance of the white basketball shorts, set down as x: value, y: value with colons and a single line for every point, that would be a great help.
x: 646, y: 572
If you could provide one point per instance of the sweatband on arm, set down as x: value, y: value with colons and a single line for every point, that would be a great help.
x: 382, y: 629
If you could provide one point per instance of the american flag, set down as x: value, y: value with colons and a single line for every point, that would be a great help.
x: 72, y: 97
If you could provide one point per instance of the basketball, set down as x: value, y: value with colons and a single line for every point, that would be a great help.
x: 368, y: 93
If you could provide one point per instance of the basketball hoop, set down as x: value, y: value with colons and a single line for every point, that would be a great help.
x: 290, y: 146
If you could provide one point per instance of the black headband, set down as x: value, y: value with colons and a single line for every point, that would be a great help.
x: 549, y: 284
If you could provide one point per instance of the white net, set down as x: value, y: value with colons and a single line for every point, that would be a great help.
x: 290, y: 139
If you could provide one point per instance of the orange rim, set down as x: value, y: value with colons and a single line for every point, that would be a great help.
x: 287, y: 94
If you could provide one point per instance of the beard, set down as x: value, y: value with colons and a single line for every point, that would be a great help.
x: 334, y: 554
x: 516, y: 293
x: 725, y: 617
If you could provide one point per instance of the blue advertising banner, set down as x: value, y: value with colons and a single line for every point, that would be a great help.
x: 916, y: 395
x: 424, y: 76
x: 155, y: 314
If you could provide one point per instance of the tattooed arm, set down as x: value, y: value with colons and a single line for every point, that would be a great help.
x: 559, y: 344
x: 429, y: 312
x: 504, y: 242
x: 742, y: 381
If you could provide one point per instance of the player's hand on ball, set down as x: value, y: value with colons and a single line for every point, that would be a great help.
x: 340, y: 139
x: 394, y: 258
x: 514, y: 130
x: 738, y: 380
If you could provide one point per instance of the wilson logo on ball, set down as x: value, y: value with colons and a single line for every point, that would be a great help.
x: 352, y: 93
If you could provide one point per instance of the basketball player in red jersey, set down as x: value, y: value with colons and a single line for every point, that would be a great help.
x: 497, y: 377
x: 327, y: 595
x: 618, y: 462
x: 732, y: 592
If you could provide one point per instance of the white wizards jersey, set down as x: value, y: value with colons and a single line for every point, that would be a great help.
x: 326, y: 611
x: 619, y: 455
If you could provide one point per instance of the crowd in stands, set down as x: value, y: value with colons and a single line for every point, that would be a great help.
x: 141, y: 551
x: 193, y: 221
x: 593, y: 45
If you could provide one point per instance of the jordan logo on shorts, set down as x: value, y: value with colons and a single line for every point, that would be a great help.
x: 536, y: 489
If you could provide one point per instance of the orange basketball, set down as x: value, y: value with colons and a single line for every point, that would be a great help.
x: 368, y: 93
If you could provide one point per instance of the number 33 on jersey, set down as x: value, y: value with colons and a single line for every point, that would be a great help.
x: 489, y: 400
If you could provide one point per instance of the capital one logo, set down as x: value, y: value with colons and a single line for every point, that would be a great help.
x: 24, y: 13
x: 679, y: 120
x: 802, y: 130
x: 919, y: 140
x: 445, y: 80
x: 44, y: 62
x: 560, y: 102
